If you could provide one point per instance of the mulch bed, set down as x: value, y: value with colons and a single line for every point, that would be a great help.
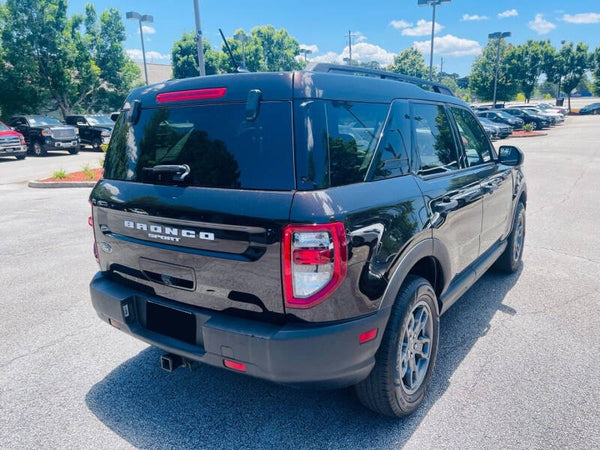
x: 78, y: 176
x: 521, y: 133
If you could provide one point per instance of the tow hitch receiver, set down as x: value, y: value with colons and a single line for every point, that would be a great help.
x: 170, y: 362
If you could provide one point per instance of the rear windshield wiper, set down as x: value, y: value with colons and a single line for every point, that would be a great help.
x: 179, y: 172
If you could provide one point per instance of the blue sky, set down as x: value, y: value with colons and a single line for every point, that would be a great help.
x: 381, y: 29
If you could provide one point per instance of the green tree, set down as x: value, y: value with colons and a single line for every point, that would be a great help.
x: 54, y: 62
x: 268, y: 50
x: 184, y: 57
x: 481, y: 80
x: 410, y: 62
x: 567, y: 66
x: 595, y: 67
x: 525, y: 64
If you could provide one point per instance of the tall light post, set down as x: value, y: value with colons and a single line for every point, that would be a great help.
x: 433, y: 3
x: 305, y: 52
x: 350, y: 36
x: 141, y: 18
x: 497, y: 35
x: 198, y: 39
x: 243, y: 37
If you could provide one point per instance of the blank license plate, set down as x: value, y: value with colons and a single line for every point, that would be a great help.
x: 171, y: 322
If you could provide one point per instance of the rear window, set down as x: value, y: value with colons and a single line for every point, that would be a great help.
x: 221, y: 147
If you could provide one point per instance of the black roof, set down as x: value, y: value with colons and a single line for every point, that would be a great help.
x: 288, y: 85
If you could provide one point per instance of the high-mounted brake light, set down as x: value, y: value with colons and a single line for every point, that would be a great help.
x: 195, y: 94
x: 314, y: 260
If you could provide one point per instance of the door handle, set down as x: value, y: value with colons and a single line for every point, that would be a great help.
x: 445, y: 205
x: 488, y: 188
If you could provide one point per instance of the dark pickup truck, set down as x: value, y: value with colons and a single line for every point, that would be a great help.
x: 307, y: 228
x: 94, y: 130
x: 43, y: 134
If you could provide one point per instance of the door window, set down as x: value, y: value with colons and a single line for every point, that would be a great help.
x: 472, y: 136
x: 433, y: 140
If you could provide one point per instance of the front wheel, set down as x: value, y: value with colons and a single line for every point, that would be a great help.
x: 404, y: 362
x: 96, y: 143
x: 22, y: 156
x: 38, y: 149
x: 74, y: 150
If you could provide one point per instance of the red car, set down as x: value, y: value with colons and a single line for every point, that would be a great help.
x: 12, y: 143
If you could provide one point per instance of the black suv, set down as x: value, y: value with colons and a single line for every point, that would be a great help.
x: 46, y: 133
x: 307, y: 228
x: 94, y: 130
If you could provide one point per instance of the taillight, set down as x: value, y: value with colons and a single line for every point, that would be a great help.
x: 314, y: 262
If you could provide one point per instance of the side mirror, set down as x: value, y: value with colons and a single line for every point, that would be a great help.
x: 511, y: 155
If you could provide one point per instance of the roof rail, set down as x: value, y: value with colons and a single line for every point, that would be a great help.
x: 364, y: 71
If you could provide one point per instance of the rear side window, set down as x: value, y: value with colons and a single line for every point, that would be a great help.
x: 433, y: 140
x: 354, y: 130
x: 221, y: 147
x: 472, y: 136
x: 391, y: 159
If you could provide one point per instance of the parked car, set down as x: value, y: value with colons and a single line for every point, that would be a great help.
x: 43, y: 134
x: 502, y: 117
x: 550, y: 107
x: 592, y: 108
x: 12, y: 143
x: 491, y: 130
x: 554, y: 117
x: 307, y: 227
x: 94, y: 130
x: 537, y: 121
x: 502, y: 131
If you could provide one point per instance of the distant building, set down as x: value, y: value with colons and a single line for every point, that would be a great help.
x: 156, y: 72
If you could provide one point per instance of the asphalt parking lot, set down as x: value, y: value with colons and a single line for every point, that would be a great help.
x: 518, y: 364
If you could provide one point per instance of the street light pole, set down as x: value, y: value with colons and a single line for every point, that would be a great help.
x: 433, y: 3
x: 243, y: 37
x: 141, y: 18
x: 306, y: 52
x: 497, y: 35
x: 198, y: 38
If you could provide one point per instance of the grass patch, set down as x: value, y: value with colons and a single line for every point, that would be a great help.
x: 59, y: 174
x: 89, y: 173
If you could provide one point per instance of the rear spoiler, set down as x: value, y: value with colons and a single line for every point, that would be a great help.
x: 364, y: 71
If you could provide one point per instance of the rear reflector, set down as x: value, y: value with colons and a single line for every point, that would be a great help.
x: 367, y: 336
x: 186, y: 96
x: 234, y: 365
x: 91, y: 221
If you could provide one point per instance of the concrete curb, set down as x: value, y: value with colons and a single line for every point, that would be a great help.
x: 60, y: 184
x: 528, y: 135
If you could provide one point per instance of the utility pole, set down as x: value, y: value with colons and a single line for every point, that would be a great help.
x: 199, y: 40
x: 441, y: 65
x: 350, y: 36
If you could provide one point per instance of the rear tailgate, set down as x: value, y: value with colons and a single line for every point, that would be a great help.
x: 214, y: 248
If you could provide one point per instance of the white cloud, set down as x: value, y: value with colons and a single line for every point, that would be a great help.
x: 508, y: 13
x: 449, y: 45
x: 399, y: 24
x: 582, y: 18
x: 358, y: 37
x: 136, y: 54
x: 540, y: 25
x: 469, y: 17
x: 312, y: 48
x: 361, y: 52
x: 423, y: 28
x: 147, y: 29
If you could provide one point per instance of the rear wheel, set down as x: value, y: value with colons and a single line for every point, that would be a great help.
x: 38, y: 149
x: 404, y: 362
x: 96, y: 143
x: 534, y: 126
x: 510, y: 260
x: 74, y: 150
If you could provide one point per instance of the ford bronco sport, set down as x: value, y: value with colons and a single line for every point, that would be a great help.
x: 307, y: 228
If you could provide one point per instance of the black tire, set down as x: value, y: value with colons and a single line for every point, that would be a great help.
x: 534, y: 126
x: 38, y: 149
x: 74, y: 150
x: 510, y: 260
x: 21, y: 156
x: 388, y: 390
x: 96, y: 143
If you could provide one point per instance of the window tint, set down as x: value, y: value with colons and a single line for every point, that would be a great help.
x: 391, y: 159
x: 353, y: 130
x: 433, y: 140
x: 472, y: 136
x: 221, y: 148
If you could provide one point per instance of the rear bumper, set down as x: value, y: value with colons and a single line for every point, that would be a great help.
x: 320, y: 355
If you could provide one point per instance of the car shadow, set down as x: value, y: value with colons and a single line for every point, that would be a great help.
x: 214, y: 408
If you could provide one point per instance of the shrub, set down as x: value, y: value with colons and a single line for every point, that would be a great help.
x: 520, y: 97
x: 528, y: 127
